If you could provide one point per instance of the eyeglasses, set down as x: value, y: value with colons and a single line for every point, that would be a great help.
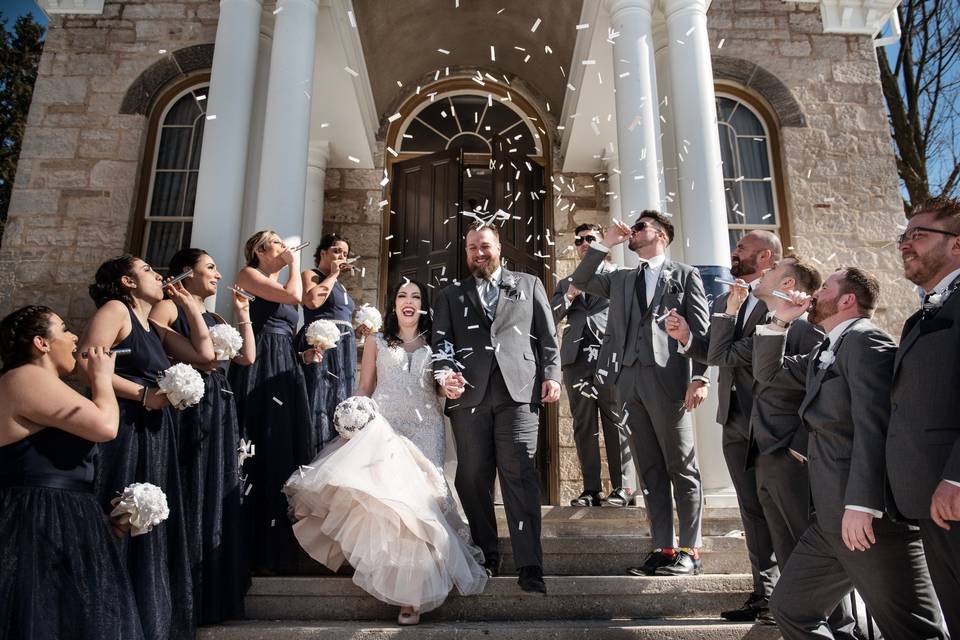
x: 912, y: 235
x: 640, y: 225
x: 579, y: 240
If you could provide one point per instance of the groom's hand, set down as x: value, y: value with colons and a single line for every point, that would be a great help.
x: 453, y: 385
x: 549, y: 391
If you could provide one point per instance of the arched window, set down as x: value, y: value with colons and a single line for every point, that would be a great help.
x: 169, y: 188
x: 750, y: 171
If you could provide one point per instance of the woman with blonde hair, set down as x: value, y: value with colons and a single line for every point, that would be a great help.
x: 272, y: 399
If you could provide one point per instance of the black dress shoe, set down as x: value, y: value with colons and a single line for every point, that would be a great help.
x: 531, y: 579
x: 686, y: 562
x: 617, y: 498
x: 492, y: 567
x: 586, y: 499
x: 751, y: 611
x: 654, y: 560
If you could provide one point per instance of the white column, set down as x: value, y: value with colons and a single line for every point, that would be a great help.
x: 219, y: 203
x: 636, y: 101
x: 319, y: 154
x: 700, y: 176
x: 668, y: 147
x: 286, y: 131
x: 700, y: 190
x: 621, y: 255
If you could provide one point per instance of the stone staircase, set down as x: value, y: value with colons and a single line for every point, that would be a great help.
x: 586, y: 554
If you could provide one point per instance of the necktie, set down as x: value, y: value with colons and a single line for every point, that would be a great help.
x: 490, y: 295
x: 822, y: 349
x: 641, y: 287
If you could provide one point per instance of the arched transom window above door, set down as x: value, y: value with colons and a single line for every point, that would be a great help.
x: 469, y: 122
x: 750, y: 177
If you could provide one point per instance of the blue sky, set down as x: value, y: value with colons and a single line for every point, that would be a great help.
x: 12, y: 9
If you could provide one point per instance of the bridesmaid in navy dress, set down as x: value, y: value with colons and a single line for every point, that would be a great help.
x: 61, y: 572
x: 272, y: 399
x: 145, y: 449
x: 332, y: 379
x: 209, y: 436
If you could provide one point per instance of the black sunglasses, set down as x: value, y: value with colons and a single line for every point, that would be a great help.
x: 579, y: 240
x: 640, y: 225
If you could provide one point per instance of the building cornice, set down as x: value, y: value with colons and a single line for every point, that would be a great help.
x: 69, y: 7
x: 855, y: 17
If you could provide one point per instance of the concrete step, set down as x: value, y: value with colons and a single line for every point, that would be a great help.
x: 578, y: 521
x: 525, y: 630
x: 568, y: 598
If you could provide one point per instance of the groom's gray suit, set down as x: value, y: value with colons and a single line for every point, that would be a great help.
x: 496, y: 420
x: 651, y: 379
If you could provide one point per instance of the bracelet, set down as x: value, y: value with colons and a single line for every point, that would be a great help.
x: 705, y: 380
x: 783, y: 324
x: 240, y: 324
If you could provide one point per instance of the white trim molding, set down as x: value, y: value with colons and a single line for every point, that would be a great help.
x: 856, y: 17
x: 70, y: 7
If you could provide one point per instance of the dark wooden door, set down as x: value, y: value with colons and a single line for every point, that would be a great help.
x: 424, y: 222
x: 517, y: 189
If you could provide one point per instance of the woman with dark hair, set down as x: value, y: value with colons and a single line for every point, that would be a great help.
x: 272, y: 400
x: 62, y: 574
x: 330, y: 376
x: 145, y: 450
x: 380, y: 500
x: 209, y: 436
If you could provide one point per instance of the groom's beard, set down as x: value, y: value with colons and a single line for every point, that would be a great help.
x: 484, y: 270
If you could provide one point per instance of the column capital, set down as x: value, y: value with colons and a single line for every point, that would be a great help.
x: 673, y: 8
x: 618, y: 8
x: 318, y: 154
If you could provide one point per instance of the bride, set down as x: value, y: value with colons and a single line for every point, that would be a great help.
x: 376, y: 497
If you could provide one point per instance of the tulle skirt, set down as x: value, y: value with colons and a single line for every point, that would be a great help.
x: 330, y: 382
x: 275, y: 416
x: 61, y: 574
x: 377, y: 503
x: 158, y: 563
x: 209, y: 437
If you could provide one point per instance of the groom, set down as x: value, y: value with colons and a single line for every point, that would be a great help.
x: 496, y: 349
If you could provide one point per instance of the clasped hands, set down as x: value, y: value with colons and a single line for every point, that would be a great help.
x: 453, y: 384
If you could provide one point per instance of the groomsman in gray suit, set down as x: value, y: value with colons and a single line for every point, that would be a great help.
x: 923, y: 443
x: 728, y: 346
x: 586, y: 317
x: 851, y: 543
x: 494, y: 332
x: 655, y: 385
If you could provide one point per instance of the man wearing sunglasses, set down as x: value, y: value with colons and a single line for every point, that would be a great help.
x: 656, y: 387
x: 586, y: 317
x: 923, y: 441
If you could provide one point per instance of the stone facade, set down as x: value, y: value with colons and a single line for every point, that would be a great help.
x: 73, y: 198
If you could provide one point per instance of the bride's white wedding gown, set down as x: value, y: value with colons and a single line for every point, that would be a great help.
x: 379, y: 501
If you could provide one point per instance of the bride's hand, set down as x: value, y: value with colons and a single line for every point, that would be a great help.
x: 453, y: 386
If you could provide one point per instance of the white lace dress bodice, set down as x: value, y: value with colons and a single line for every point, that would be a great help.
x: 407, y: 397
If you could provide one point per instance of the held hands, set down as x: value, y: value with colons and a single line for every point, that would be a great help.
x: 677, y: 327
x: 697, y: 392
x: 857, y: 530
x: 453, y: 385
x: 549, y: 391
x: 736, y: 297
x: 945, y: 504
x: 798, y: 305
x: 616, y: 234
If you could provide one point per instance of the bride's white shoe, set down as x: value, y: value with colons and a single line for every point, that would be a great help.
x: 408, y: 617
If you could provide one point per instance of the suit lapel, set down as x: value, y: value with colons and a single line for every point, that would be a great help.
x: 912, y: 331
x: 750, y: 325
x: 503, y: 303
x: 629, y: 294
x: 816, y: 376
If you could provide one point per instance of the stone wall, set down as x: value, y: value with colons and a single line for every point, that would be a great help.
x: 843, y: 201
x: 74, y: 193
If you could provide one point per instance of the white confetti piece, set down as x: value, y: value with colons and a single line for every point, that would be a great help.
x: 585, y: 25
x: 394, y: 117
x: 277, y: 10
x: 722, y: 40
x: 212, y: 117
x: 279, y: 402
x: 353, y: 159
x: 444, y: 52
x: 352, y: 18
x: 351, y: 72
x: 493, y: 54
x: 535, y: 25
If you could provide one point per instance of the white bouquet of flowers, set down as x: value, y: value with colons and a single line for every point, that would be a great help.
x: 182, y: 384
x: 323, y: 334
x: 369, y: 317
x: 227, y: 341
x: 353, y: 414
x: 142, y: 505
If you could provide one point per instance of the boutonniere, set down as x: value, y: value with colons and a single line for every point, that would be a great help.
x: 827, y: 358
x: 934, y: 301
x: 508, y: 285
